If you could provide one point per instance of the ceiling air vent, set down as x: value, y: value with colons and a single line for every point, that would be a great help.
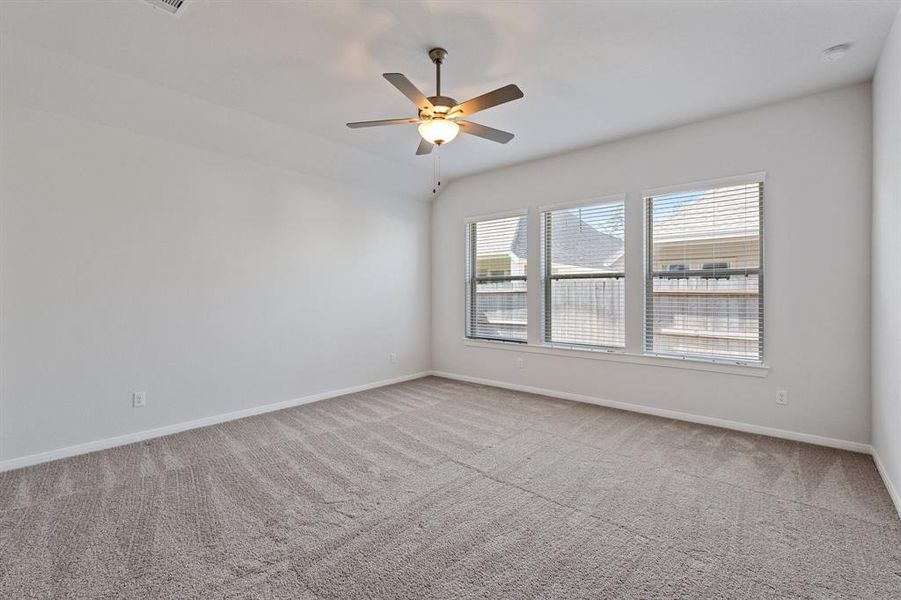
x: 171, y: 6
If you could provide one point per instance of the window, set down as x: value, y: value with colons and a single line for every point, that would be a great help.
x: 584, y: 275
x: 496, y: 279
x: 704, y: 289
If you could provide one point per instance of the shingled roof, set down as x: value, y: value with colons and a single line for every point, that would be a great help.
x: 574, y: 242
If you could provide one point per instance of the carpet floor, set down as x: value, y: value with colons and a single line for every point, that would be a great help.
x: 439, y: 489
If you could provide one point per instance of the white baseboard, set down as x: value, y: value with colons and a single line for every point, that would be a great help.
x: 140, y: 436
x: 889, y: 485
x: 670, y: 414
x: 130, y: 438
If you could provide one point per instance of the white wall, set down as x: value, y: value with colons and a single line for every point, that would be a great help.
x: 816, y: 152
x: 153, y: 242
x: 887, y: 259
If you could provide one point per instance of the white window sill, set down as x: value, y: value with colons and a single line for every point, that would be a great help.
x: 621, y: 356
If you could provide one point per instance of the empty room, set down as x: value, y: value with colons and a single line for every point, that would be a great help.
x: 450, y: 299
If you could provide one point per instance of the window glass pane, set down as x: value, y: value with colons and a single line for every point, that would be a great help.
x: 706, y: 228
x: 704, y: 286
x: 496, y: 279
x: 588, y: 312
x: 715, y: 317
x: 500, y: 247
x: 499, y: 311
x: 587, y: 239
x: 584, y: 277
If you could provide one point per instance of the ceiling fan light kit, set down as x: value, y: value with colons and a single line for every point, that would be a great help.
x: 440, y: 118
x: 438, y: 130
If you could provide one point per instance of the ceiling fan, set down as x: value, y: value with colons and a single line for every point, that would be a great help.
x: 439, y: 117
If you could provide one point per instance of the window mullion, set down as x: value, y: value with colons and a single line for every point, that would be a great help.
x: 648, y: 333
x: 548, y: 279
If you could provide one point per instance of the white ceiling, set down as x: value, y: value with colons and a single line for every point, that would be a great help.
x: 591, y: 71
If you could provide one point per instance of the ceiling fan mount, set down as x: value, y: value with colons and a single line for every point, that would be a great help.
x: 437, y: 55
x: 440, y: 117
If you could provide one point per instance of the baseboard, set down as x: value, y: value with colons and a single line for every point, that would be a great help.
x: 889, y: 485
x: 670, y: 414
x: 140, y: 436
x: 130, y: 438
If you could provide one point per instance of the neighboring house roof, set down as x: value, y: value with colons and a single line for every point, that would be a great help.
x: 574, y: 242
x: 717, y: 214
x: 518, y: 247
x: 498, y: 235
x: 722, y: 213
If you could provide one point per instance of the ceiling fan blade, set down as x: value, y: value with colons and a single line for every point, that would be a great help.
x: 489, y: 133
x: 425, y: 147
x: 498, y: 96
x: 409, y: 90
x: 359, y: 124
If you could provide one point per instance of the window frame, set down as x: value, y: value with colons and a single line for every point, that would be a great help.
x: 472, y: 280
x: 649, y: 274
x: 546, y: 261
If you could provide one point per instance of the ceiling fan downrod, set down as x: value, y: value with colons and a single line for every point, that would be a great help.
x: 437, y: 55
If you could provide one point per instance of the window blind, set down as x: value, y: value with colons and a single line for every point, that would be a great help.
x: 704, y: 288
x: 584, y: 275
x: 496, y: 279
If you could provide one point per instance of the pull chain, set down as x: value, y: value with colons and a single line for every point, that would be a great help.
x: 436, y: 170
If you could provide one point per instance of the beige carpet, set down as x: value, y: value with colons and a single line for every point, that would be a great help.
x: 440, y: 489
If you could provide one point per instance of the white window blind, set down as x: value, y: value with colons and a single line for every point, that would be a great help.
x: 704, y: 289
x: 496, y: 279
x: 584, y: 275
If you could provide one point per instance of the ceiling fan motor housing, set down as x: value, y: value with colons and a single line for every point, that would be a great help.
x: 438, y: 102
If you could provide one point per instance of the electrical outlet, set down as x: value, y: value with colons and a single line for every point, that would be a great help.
x: 393, y: 358
x: 519, y: 362
x: 139, y: 399
x: 782, y: 397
